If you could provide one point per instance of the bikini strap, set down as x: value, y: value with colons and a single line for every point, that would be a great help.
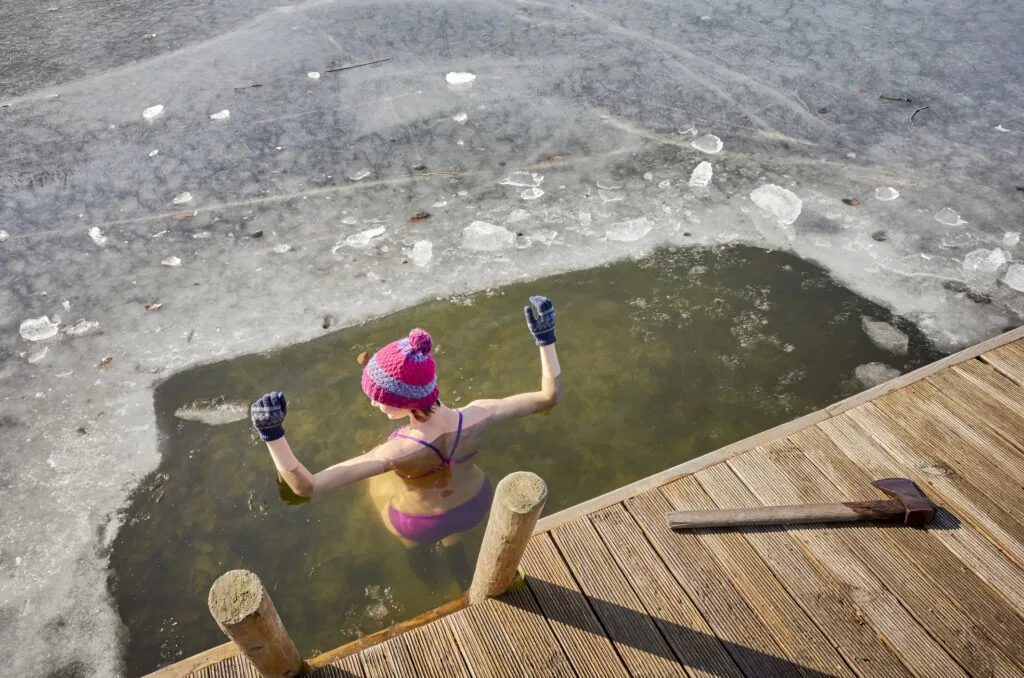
x: 396, y: 434
x: 458, y: 436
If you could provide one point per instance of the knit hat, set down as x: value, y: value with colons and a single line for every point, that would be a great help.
x: 402, y: 374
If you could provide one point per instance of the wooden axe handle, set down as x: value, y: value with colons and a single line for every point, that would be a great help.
x: 890, y: 509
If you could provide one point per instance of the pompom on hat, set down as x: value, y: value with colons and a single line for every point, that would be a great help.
x: 403, y: 374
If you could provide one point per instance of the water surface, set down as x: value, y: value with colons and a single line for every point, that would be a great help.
x: 664, y: 359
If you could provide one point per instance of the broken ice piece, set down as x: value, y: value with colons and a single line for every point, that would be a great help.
x: 459, y: 78
x: 484, y: 237
x: 708, y: 143
x: 1011, y: 238
x: 949, y: 217
x: 155, y: 152
x: 531, y: 193
x: 182, y: 198
x: 66, y: 305
x: 81, y: 327
x: 873, y: 374
x: 221, y: 115
x: 701, y: 175
x: 38, y: 329
x: 153, y: 112
x: 4, y: 235
x: 282, y: 248
x: 313, y: 75
x: 97, y: 236
x: 363, y: 238
x: 886, y: 193
x: 529, y: 179
x: 360, y: 175
x: 885, y: 336
x: 37, y: 357
x: 422, y: 252
x: 213, y: 412
x: 460, y: 117
x: 1014, y: 277
x: 985, y: 261
x: 171, y: 261
x: 629, y: 231
x: 779, y: 202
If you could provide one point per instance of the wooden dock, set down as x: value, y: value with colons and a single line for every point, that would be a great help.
x: 610, y: 591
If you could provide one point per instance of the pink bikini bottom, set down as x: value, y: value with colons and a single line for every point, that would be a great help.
x: 427, y: 528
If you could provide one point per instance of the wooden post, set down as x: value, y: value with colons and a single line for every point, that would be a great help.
x: 244, y: 612
x: 518, y: 501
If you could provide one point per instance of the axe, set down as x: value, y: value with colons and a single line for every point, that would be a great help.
x: 908, y: 504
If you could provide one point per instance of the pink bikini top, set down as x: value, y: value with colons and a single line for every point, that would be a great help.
x: 446, y: 462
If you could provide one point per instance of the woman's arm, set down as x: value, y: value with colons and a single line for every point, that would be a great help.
x: 268, y: 415
x: 551, y: 388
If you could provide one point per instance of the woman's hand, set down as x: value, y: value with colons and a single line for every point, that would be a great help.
x: 268, y: 414
x: 543, y: 328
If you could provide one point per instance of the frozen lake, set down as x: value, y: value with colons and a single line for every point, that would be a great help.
x: 582, y: 138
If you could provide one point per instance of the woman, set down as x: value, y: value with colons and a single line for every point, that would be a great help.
x: 432, y: 494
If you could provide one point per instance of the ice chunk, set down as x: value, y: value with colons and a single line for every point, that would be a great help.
x: 171, y: 261
x: 608, y: 196
x: 38, y: 356
x: 985, y: 261
x: 527, y: 179
x: 708, y: 143
x: 80, y: 327
x: 460, y: 117
x: 221, y: 115
x: 4, y: 235
x: 182, y: 199
x: 484, y: 237
x: 949, y: 217
x: 886, y: 193
x: 422, y: 252
x: 885, y: 336
x: 359, y: 175
x: 363, y: 238
x: 97, y: 236
x: 701, y: 175
x: 780, y: 202
x: 213, y: 412
x: 1014, y: 277
x: 873, y: 374
x: 459, y: 78
x: 531, y: 193
x: 153, y: 112
x: 664, y: 183
x: 629, y: 231
x: 313, y: 75
x: 517, y: 215
x: 1011, y: 238
x: 38, y: 329
x: 282, y: 248
x: 155, y: 152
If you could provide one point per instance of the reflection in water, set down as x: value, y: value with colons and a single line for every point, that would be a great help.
x: 666, y: 358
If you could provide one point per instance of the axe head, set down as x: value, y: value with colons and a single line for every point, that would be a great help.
x: 919, y: 511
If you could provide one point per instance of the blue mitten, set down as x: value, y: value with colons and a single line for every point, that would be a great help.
x: 543, y: 328
x: 268, y: 414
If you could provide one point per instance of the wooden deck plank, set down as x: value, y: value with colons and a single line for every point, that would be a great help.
x: 966, y: 542
x: 681, y: 624
x: 979, y: 464
x: 435, y: 653
x: 580, y: 634
x: 912, y: 643
x: 530, y: 635
x: 980, y: 411
x: 483, y: 643
x: 920, y: 589
x: 814, y: 588
x: 342, y: 667
x: 962, y: 498
x: 707, y: 584
x: 639, y: 643
x: 802, y: 641
x: 376, y: 663
x: 1009, y: 360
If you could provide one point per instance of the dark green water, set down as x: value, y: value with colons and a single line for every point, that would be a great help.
x: 664, y: 359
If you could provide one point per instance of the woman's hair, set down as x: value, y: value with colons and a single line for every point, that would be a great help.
x: 422, y: 415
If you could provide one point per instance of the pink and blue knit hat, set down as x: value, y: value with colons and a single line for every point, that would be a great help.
x: 402, y: 374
